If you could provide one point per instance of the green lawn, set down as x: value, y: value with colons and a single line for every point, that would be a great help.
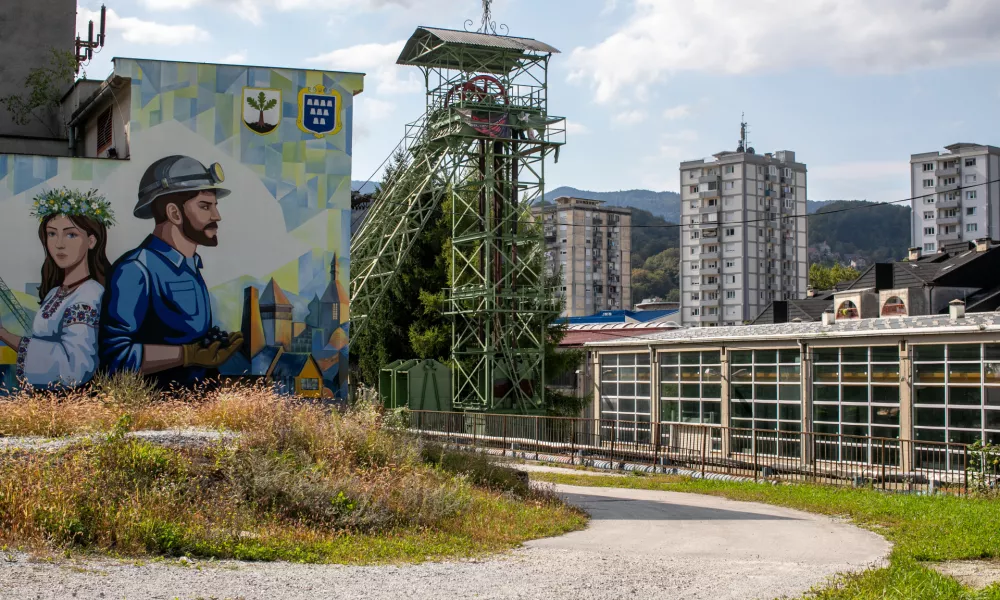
x: 921, y: 528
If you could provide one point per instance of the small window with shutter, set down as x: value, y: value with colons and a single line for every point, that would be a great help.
x: 104, y: 136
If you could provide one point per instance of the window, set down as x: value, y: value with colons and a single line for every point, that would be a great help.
x: 956, y: 398
x: 691, y: 389
x: 711, y: 280
x: 929, y: 199
x: 970, y: 195
x: 730, y: 185
x: 894, y: 307
x: 928, y: 183
x: 928, y: 167
x: 730, y: 264
x: 970, y: 179
x: 788, y: 172
x: 104, y: 131
x: 695, y: 297
x: 971, y: 227
x: 847, y: 310
x: 729, y: 169
x: 309, y: 384
x: 625, y: 397
x: 760, y: 186
x: 712, y: 310
x: 766, y: 394
x: 730, y: 232
x: 928, y: 214
x: 856, y: 393
x: 970, y: 162
x: 731, y: 294
x: 711, y: 248
x: 695, y: 235
x: 948, y: 181
x: 694, y: 312
x: 928, y: 231
x: 970, y: 210
x: 732, y: 279
x: 929, y: 247
x: 772, y: 170
x: 693, y: 189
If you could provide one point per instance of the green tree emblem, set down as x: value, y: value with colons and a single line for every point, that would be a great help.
x: 261, y: 103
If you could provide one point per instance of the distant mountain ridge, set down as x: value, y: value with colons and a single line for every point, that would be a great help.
x: 662, y: 204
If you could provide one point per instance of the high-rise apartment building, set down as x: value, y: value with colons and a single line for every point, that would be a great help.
x: 955, y: 195
x: 592, y: 245
x: 743, y: 236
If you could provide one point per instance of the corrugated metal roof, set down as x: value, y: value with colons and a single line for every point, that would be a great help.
x: 487, y: 40
x: 428, y: 46
x: 972, y: 323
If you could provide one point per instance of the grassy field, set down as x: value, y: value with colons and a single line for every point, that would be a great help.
x: 299, y: 483
x: 921, y: 528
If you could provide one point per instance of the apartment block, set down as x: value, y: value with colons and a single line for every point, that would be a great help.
x: 591, y: 245
x: 955, y: 195
x: 743, y: 237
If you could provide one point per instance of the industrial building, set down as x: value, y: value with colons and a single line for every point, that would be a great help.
x: 743, y: 237
x: 955, y: 195
x: 591, y: 245
x: 931, y: 379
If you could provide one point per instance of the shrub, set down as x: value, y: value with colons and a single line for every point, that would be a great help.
x: 479, y: 469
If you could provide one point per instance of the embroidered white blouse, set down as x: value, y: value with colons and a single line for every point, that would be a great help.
x: 63, y: 346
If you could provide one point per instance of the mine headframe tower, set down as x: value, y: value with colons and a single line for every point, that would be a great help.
x: 481, y: 145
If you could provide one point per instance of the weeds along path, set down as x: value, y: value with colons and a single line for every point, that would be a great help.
x: 640, y: 544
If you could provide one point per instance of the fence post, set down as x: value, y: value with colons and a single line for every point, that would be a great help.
x: 572, y: 441
x: 965, y: 466
x: 447, y: 428
x: 815, y: 457
x: 504, y: 442
x: 753, y: 451
x: 536, y: 438
x: 656, y: 443
x: 704, y: 436
x: 882, y: 459
x: 614, y: 438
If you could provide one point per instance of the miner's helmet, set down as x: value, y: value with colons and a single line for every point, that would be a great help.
x: 174, y: 174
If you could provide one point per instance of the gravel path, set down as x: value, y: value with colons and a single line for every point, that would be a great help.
x: 640, y: 544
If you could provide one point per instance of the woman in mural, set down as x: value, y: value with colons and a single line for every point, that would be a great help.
x: 62, y: 348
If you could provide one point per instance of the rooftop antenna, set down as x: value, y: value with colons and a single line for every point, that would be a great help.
x: 743, y: 133
x: 487, y: 25
x: 85, y: 49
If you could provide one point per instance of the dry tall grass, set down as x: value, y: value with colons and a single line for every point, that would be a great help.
x: 300, y: 482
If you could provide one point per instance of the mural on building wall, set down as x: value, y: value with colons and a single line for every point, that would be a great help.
x: 230, y: 246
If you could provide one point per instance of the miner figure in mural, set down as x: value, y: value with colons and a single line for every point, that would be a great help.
x: 157, y: 316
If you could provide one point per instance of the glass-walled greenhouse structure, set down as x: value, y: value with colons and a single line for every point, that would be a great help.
x: 843, y: 392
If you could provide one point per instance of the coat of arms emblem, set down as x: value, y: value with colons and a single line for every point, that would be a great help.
x: 319, y: 111
x: 261, y: 109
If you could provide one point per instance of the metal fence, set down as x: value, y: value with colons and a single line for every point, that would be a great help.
x: 883, y: 463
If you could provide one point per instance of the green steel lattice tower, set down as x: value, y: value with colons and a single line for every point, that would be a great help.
x: 482, y: 144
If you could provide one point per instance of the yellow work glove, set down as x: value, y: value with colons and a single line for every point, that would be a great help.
x: 214, y: 354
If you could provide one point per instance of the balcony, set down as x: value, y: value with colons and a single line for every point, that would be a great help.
x: 709, y: 239
x: 709, y: 270
x: 949, y: 220
x: 704, y: 210
x: 949, y: 237
x: 706, y: 318
x: 708, y: 255
x: 954, y: 202
x: 708, y: 178
x: 701, y: 286
x: 949, y: 172
x: 709, y: 194
x: 947, y: 187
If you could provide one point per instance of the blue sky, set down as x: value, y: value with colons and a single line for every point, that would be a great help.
x: 852, y: 86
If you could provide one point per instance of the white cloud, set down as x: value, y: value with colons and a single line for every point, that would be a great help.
x: 574, y: 128
x: 733, y: 36
x: 253, y: 10
x: 677, y: 112
x: 237, y: 57
x: 378, y: 61
x: 138, y: 31
x: 629, y: 117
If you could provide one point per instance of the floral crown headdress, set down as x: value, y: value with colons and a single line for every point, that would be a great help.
x: 73, y: 203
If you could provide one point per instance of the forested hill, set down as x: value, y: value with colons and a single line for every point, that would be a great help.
x: 662, y: 204
x: 878, y: 233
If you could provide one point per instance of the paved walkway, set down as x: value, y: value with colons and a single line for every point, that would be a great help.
x: 640, y: 544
